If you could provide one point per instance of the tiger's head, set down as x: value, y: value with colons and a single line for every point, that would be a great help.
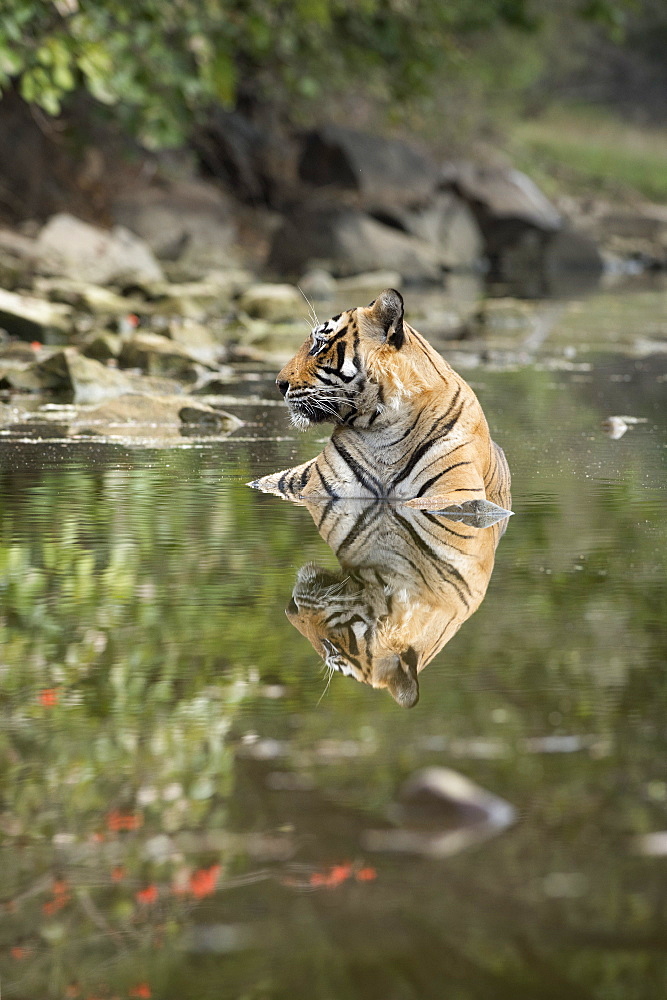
x: 350, y: 622
x: 352, y: 366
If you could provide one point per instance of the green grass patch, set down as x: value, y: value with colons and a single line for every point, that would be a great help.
x: 589, y: 151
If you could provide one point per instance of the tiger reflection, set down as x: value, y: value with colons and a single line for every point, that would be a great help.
x: 408, y: 580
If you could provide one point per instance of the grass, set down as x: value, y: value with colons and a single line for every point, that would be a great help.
x: 584, y: 150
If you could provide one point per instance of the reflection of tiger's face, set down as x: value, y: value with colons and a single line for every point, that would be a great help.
x: 409, y: 580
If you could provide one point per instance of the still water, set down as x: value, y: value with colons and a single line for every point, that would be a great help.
x: 191, y: 807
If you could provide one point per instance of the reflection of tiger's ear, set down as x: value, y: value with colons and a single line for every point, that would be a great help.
x: 403, y: 684
x: 387, y: 310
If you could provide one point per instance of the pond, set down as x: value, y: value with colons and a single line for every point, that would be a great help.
x: 191, y: 807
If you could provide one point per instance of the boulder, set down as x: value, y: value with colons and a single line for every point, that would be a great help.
x: 317, y: 284
x: 70, y: 248
x: 276, y: 303
x: 102, y: 346
x: 188, y: 223
x: 159, y: 355
x: 381, y: 171
x: 369, y: 281
x: 501, y: 194
x: 67, y: 371
x: 448, y: 225
x: 346, y: 241
x: 87, y: 297
x: 29, y: 318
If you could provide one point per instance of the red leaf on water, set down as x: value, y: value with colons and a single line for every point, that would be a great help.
x: 118, y: 873
x: 18, y: 953
x: 148, y: 895
x: 118, y: 821
x: 48, y: 697
x: 141, y: 990
x: 366, y: 874
x: 204, y: 880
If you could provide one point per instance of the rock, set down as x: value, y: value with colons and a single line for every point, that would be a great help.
x: 17, y: 255
x: 33, y: 319
x: 17, y: 352
x: 557, y: 265
x: 158, y: 355
x: 187, y: 222
x: 196, y: 300
x: 91, y: 298
x: 448, y: 225
x: 86, y: 380
x: 214, y: 383
x: 151, y: 412
x: 317, y: 284
x: 68, y: 247
x: 347, y: 242
x: 369, y: 281
x: 198, y: 415
x: 381, y: 171
x: 102, y: 346
x: 272, y: 302
x: 198, y: 339
x: 497, y: 194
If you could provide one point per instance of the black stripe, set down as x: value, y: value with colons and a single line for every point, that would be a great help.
x: 325, y: 484
x: 373, y: 510
x: 372, y: 484
x: 439, y: 475
x: 426, y: 447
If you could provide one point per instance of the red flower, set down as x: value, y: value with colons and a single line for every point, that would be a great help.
x: 141, y: 990
x: 18, y: 953
x: 118, y: 873
x: 204, y: 880
x: 118, y: 821
x: 148, y: 895
x: 48, y: 697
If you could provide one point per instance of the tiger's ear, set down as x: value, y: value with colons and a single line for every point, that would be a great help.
x: 387, y: 311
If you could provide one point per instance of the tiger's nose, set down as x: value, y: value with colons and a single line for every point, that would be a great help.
x: 283, y: 386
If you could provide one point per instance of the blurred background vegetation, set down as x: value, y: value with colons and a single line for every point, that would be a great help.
x: 455, y: 73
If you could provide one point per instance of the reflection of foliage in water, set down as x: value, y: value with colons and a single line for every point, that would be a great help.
x: 142, y: 616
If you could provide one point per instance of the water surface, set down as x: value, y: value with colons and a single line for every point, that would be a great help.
x: 186, y: 799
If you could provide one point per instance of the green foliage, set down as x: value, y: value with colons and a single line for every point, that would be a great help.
x: 162, y: 64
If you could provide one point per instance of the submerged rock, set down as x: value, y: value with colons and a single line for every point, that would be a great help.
x: 147, y: 413
x: 74, y: 249
x: 441, y: 812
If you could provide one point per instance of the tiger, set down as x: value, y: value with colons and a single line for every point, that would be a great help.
x: 408, y: 580
x: 407, y: 427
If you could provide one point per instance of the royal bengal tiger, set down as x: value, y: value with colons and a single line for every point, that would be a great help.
x: 408, y: 580
x: 407, y: 427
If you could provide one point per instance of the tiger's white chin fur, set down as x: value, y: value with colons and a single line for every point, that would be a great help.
x: 299, y: 420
